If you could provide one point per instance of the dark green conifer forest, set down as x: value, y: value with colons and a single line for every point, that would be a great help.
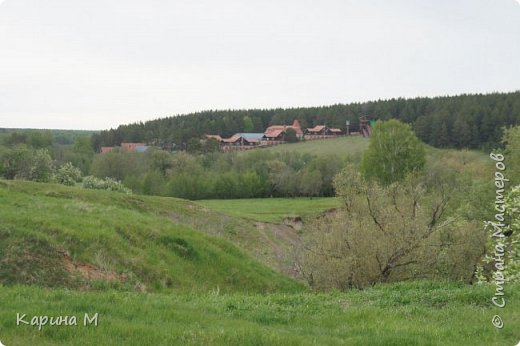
x: 464, y: 121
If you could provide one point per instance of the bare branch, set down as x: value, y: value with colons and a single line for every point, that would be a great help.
x: 372, y: 215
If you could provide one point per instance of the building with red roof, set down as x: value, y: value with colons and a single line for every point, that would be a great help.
x: 277, y: 132
x: 322, y: 131
x: 105, y: 150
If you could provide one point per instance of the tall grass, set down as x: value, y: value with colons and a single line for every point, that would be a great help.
x: 416, y: 313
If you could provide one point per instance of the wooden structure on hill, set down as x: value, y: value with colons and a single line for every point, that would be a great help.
x: 365, y: 126
x: 127, y: 147
x: 275, y: 134
x: 239, y: 141
x: 322, y: 132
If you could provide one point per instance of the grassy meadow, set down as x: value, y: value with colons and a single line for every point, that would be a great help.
x: 206, y: 289
x: 415, y: 313
x: 352, y: 146
x: 167, y: 271
x: 273, y: 210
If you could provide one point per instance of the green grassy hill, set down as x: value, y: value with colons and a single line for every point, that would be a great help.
x: 58, y: 236
x: 351, y: 146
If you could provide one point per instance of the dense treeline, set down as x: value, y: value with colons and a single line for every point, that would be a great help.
x: 18, y: 148
x: 217, y: 175
x: 35, y: 136
x: 465, y: 121
x: 199, y: 173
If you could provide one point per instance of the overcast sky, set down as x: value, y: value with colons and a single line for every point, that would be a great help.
x: 95, y: 64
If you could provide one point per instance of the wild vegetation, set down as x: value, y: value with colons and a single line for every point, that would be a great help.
x: 403, y: 231
x: 218, y: 176
x: 400, y: 221
x: 389, y: 215
x: 255, y: 174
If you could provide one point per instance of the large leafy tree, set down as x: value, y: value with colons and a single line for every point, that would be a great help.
x: 393, y: 153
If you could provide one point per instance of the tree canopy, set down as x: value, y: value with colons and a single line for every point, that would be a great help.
x: 465, y: 121
x: 393, y: 153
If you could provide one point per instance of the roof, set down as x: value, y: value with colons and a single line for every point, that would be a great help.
x: 239, y: 137
x: 317, y: 128
x: 128, y: 144
x: 141, y: 149
x: 232, y: 139
x: 276, y: 130
x: 106, y: 149
x: 251, y: 136
x: 273, y: 131
x: 335, y: 130
x: 217, y: 137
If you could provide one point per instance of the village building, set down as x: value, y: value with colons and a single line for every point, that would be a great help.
x: 132, y: 147
x: 276, y: 133
x: 105, y: 150
x: 238, y: 140
x: 128, y: 147
x: 252, y: 137
x: 318, y: 130
x: 273, y: 135
x: 322, y: 131
x: 141, y: 149
x: 241, y: 141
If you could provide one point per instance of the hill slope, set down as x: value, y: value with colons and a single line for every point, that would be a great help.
x: 352, y: 146
x: 57, y: 236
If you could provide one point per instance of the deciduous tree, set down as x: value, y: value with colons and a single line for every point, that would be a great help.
x: 393, y: 153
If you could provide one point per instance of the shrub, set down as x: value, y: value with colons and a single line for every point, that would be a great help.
x: 67, y: 174
x: 510, y: 240
x: 41, y: 167
x: 108, y: 184
x: 403, y: 231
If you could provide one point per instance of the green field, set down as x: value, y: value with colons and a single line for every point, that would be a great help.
x: 272, y: 210
x: 419, y: 313
x: 351, y: 146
